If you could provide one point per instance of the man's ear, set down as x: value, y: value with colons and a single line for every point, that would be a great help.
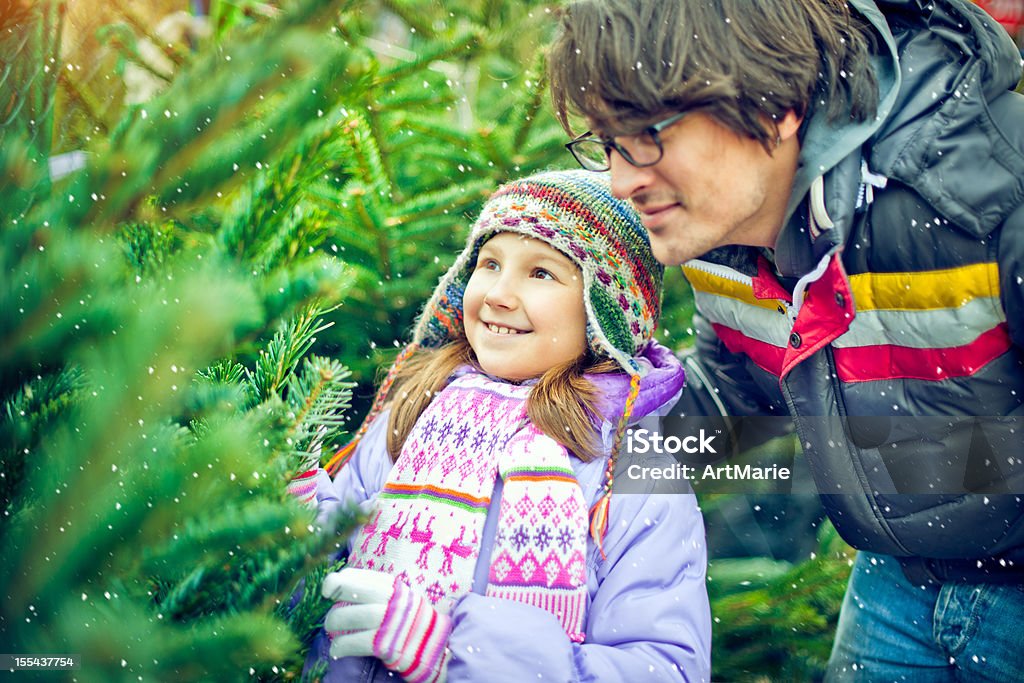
x: 789, y: 125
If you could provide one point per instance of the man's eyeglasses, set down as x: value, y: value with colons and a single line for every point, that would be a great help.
x: 594, y: 153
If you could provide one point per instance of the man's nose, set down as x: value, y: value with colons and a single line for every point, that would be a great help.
x: 627, y: 179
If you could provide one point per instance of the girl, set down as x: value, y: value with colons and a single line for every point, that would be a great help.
x: 477, y: 471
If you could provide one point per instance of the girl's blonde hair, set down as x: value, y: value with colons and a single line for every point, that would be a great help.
x: 562, y: 404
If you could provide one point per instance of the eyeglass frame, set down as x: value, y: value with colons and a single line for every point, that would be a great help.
x: 610, y: 143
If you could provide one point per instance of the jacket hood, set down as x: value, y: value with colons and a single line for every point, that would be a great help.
x: 956, y: 62
x: 938, y: 63
x: 661, y: 382
x: 825, y: 143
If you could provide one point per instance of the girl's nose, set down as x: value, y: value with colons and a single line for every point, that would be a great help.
x: 501, y: 293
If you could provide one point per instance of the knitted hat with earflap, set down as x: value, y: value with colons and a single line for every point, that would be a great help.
x: 575, y: 213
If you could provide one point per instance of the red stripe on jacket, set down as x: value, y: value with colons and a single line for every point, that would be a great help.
x: 888, y: 361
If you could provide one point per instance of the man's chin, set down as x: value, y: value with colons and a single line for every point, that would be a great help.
x: 669, y: 253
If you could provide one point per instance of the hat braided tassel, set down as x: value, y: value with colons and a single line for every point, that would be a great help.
x: 599, y: 511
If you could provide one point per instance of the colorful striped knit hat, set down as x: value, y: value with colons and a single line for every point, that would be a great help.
x: 574, y: 212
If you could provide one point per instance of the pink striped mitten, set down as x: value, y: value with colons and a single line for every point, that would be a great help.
x: 412, y: 638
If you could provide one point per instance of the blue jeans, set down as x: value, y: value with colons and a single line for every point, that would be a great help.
x: 892, y: 630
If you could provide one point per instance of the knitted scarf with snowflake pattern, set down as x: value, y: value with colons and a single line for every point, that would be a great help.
x: 429, y: 517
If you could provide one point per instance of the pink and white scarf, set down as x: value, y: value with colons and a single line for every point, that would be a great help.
x: 429, y: 517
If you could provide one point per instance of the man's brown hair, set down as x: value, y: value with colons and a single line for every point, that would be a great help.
x: 624, y: 64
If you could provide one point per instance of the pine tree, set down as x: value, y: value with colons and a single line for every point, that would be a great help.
x: 773, y: 620
x: 158, y: 389
x: 183, y: 313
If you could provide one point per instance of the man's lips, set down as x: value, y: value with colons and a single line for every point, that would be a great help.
x: 652, y: 208
x: 651, y: 214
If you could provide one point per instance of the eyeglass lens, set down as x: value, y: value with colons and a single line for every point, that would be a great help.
x: 640, y: 150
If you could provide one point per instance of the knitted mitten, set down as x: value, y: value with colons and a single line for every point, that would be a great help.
x: 383, y: 617
x: 411, y: 640
x: 303, y: 487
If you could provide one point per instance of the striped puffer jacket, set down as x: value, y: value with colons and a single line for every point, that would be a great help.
x: 889, y: 320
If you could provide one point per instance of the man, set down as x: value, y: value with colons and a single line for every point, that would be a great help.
x: 844, y: 186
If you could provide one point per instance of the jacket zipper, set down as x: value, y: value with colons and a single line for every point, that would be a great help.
x: 717, y: 270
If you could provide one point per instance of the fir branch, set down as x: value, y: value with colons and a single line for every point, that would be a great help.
x: 318, y: 279
x: 413, y: 14
x: 489, y: 12
x: 256, y: 216
x: 251, y: 524
x: 224, y: 371
x: 278, y: 360
x: 366, y: 155
x: 462, y: 46
x: 181, y: 597
x: 84, y: 99
x: 539, y: 79
x: 445, y: 134
x: 147, y: 247
x: 306, y: 617
x: 764, y: 614
x: 29, y: 62
x: 411, y: 217
x: 279, y: 215
x: 25, y: 419
x: 127, y: 422
x: 167, y: 148
x: 542, y: 149
x: 452, y: 199
x: 319, y: 396
x: 301, y: 231
x: 121, y: 37
x: 16, y: 96
x: 141, y: 26
x: 253, y: 640
x: 490, y: 141
x: 146, y: 478
x: 366, y: 193
x: 225, y: 15
x: 316, y: 673
x: 14, y: 12
x: 312, y: 12
x: 377, y: 135
x: 206, y: 398
x: 401, y: 103
x: 187, y: 175
x: 337, y: 206
x: 43, y: 287
x: 38, y: 402
x: 268, y: 580
x: 463, y: 164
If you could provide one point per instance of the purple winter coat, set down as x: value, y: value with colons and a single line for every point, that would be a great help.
x: 647, y: 616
